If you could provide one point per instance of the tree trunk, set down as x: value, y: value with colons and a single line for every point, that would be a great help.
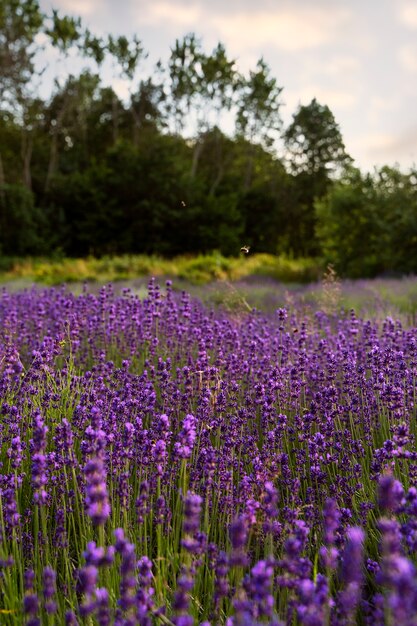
x: 217, y: 180
x: 53, y: 160
x: 136, y: 127
x: 53, y: 153
x: 2, y: 179
x: 198, y: 149
x: 220, y: 161
x: 26, y: 152
x: 115, y: 118
x: 249, y: 170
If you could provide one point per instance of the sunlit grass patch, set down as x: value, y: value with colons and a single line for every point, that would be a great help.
x: 198, y: 269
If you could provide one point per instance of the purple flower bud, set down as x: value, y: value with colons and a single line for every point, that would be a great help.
x: 352, y: 560
x: 102, y: 607
x: 192, y: 512
x: 15, y: 452
x: 49, y: 589
x: 28, y: 579
x: 96, y: 499
x: 70, y: 619
x: 238, y: 533
x: 87, y: 579
x: 39, y: 478
x: 331, y: 521
x: 31, y: 604
x: 390, y: 493
x: 271, y: 499
x: 186, y: 438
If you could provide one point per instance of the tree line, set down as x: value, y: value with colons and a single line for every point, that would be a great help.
x: 84, y: 172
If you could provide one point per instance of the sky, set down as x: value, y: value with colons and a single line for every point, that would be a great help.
x: 359, y: 57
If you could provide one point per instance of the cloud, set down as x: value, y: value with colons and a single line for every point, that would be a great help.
x: 171, y: 13
x: 289, y: 29
x: 408, y: 14
x: 340, y: 66
x: 392, y: 146
x: 407, y: 56
x: 335, y: 99
x: 382, y: 104
x: 83, y: 8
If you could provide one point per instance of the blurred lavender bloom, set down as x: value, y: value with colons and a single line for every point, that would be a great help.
x: 352, y: 558
x: 15, y: 452
x: 331, y: 516
x: 390, y: 537
x: 128, y: 566
x: 192, y: 512
x: 49, y: 589
x: 186, y: 438
x: 8, y: 500
x: 31, y: 604
x: 271, y: 499
x: 145, y: 594
x: 96, y: 498
x: 102, y: 609
x: 348, y: 599
x: 97, y: 555
x: 390, y: 493
x: 87, y: 580
x: 181, y: 600
x: 221, y: 583
x: 400, y: 576
x: 238, y: 533
x: 259, y: 588
x: 313, y: 601
x: 142, y: 502
x: 70, y: 619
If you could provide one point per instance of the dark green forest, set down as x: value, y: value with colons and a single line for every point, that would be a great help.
x: 83, y: 172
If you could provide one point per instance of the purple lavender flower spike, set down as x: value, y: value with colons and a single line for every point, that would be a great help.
x: 352, y: 559
x: 49, y: 589
x: 96, y: 498
x: 186, y: 438
x: 390, y: 493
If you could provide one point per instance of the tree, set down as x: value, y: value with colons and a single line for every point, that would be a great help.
x: 216, y: 86
x: 20, y: 22
x: 126, y: 54
x: 367, y: 224
x: 183, y: 79
x: 21, y: 222
x: 315, y: 144
x: 145, y: 107
x: 66, y: 116
x: 316, y: 153
x: 258, y: 117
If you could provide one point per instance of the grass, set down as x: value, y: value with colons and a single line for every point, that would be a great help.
x: 199, y: 269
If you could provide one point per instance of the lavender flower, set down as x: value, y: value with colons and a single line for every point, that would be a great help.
x: 49, y: 589
x: 352, y: 558
x: 96, y: 498
x: 186, y: 438
x: 390, y: 493
x: 145, y: 594
x: 127, y: 570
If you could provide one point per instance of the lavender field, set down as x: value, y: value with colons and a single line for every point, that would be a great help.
x: 164, y: 462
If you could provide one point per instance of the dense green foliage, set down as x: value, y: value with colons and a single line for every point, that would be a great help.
x: 83, y: 172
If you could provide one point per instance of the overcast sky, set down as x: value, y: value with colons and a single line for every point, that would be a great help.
x: 357, y: 56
